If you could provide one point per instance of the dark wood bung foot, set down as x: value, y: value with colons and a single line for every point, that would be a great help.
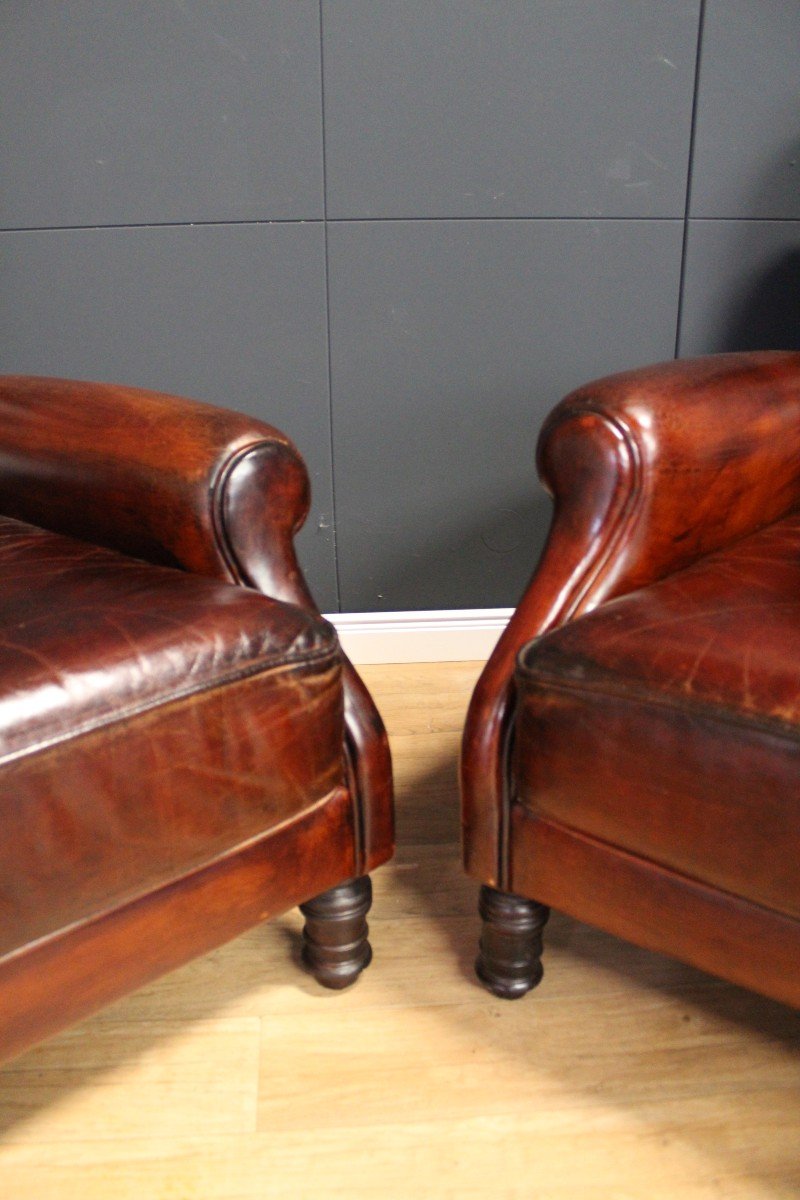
x: 335, y: 946
x: 509, y: 962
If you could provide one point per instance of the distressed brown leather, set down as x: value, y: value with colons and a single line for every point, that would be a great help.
x: 649, y: 470
x: 149, y: 720
x: 187, y: 484
x: 183, y: 752
x: 89, y: 637
x: 632, y: 749
x: 667, y: 723
x: 134, y: 470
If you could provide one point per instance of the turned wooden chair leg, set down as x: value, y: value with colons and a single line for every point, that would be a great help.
x: 509, y: 962
x: 335, y: 946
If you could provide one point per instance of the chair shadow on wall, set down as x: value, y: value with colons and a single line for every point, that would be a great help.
x: 764, y: 316
x: 485, y: 563
x: 767, y: 317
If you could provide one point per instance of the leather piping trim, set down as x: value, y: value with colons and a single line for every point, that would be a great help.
x: 598, y: 560
x: 242, y: 576
x: 219, y: 487
x: 629, y: 510
x: 349, y: 762
x: 541, y: 681
x: 134, y: 710
x: 507, y: 731
x: 10, y: 956
x: 671, y: 872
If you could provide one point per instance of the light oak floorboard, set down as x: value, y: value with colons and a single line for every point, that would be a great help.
x: 625, y: 1075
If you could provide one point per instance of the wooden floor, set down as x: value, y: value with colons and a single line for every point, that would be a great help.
x: 625, y: 1075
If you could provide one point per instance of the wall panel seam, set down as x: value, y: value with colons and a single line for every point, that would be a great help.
x: 689, y: 171
x: 334, y: 530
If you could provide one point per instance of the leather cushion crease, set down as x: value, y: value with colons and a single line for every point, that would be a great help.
x: 185, y: 751
x: 215, y: 715
x: 66, y: 606
x: 667, y: 723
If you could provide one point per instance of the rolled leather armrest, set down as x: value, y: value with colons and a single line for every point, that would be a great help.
x: 179, y: 483
x: 649, y: 470
x: 138, y: 471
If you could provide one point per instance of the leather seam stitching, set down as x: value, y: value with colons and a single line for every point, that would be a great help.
x: 691, y: 706
x: 636, y: 858
x: 135, y: 710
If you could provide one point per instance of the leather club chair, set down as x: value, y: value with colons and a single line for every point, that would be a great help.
x: 183, y: 752
x: 632, y: 750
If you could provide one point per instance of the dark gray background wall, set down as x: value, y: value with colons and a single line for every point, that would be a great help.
x: 400, y: 229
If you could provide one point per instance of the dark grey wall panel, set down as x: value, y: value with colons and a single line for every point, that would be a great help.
x: 195, y: 130
x: 747, y: 144
x: 450, y: 340
x: 230, y: 314
x: 742, y: 287
x: 508, y: 107
x: 126, y: 113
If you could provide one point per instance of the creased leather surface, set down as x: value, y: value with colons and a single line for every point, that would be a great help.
x: 87, y: 635
x: 102, y: 819
x: 189, y: 485
x: 725, y: 632
x: 668, y: 722
x: 151, y: 722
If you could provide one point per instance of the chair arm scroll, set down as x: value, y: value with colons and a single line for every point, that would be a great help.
x: 649, y: 471
x: 182, y: 484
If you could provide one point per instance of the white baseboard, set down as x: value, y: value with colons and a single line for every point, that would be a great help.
x: 443, y: 635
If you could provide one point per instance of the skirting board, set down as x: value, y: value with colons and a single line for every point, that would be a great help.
x: 444, y: 635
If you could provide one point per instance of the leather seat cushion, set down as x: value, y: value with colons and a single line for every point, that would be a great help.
x: 150, y: 721
x: 667, y: 723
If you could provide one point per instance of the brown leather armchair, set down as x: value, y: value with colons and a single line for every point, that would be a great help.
x: 181, y: 756
x: 632, y: 750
